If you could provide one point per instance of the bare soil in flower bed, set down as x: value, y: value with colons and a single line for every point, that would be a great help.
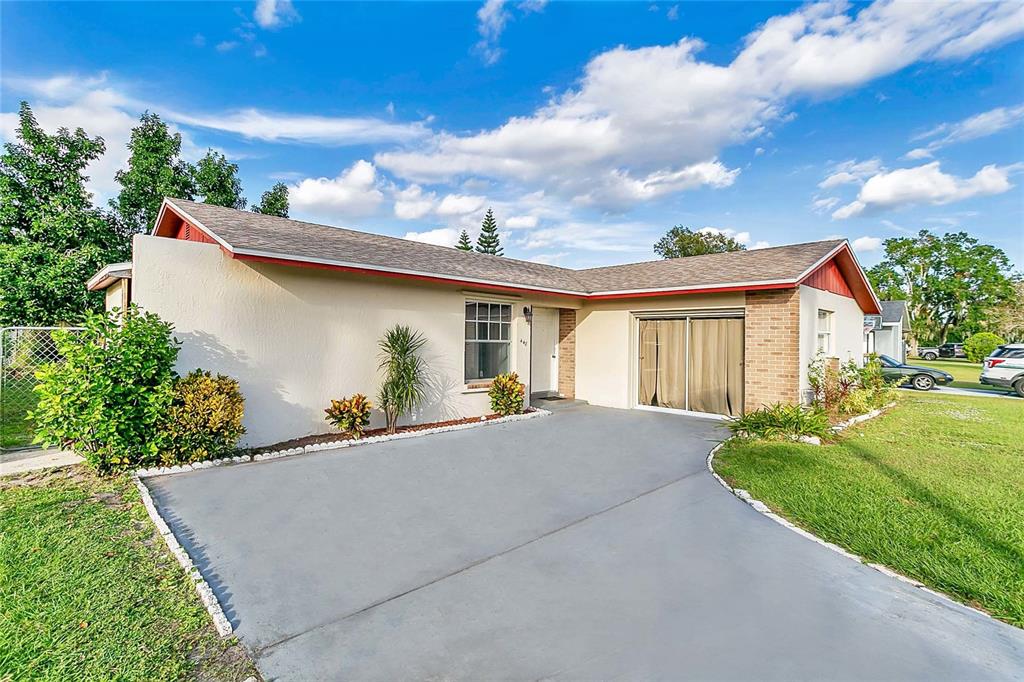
x: 334, y: 437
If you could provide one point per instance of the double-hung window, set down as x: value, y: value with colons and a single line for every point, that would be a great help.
x: 488, y: 339
x: 825, y: 332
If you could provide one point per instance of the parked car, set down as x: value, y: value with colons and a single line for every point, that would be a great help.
x: 952, y: 350
x: 1005, y: 368
x: 928, y: 352
x: 920, y: 378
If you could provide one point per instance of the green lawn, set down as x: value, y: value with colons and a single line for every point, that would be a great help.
x: 932, y: 489
x: 89, y: 591
x: 15, y: 431
x: 965, y: 373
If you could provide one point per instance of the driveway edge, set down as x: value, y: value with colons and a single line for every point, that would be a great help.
x: 335, y: 445
x: 765, y: 510
x: 206, y: 595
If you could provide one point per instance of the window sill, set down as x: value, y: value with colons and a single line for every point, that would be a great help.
x: 477, y: 387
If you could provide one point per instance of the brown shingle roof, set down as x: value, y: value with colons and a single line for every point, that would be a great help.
x: 253, y: 234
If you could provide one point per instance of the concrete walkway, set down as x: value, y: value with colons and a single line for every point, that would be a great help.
x: 30, y: 460
x: 591, y: 544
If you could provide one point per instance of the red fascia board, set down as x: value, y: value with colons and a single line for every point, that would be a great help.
x: 396, y: 275
x: 855, y: 279
x: 498, y: 287
x: 681, y: 292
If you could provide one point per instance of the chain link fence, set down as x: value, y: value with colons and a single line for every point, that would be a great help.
x: 23, y: 350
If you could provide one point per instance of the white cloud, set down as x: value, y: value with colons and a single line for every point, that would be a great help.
x: 412, y: 203
x: 460, y: 204
x: 971, y: 128
x: 273, y: 14
x: 521, y: 222
x: 352, y: 193
x: 925, y: 184
x: 227, y: 45
x: 442, y: 236
x: 849, y: 172
x: 491, y: 19
x: 823, y: 205
x: 867, y: 244
x: 532, y: 6
x: 637, y: 112
x: 673, y: 13
x: 741, y: 237
x: 282, y: 127
x: 607, y: 237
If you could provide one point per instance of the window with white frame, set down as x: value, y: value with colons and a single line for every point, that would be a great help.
x: 825, y: 332
x: 488, y: 339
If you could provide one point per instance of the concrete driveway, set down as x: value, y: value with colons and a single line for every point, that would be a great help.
x: 591, y: 544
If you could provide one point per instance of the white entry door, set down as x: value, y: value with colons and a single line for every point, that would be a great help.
x: 544, y: 351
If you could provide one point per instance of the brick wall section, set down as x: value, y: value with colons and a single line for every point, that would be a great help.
x: 567, y: 352
x: 772, y: 348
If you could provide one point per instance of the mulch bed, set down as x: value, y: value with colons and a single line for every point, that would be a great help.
x: 334, y: 437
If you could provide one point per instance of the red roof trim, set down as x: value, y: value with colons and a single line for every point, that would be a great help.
x: 844, y: 262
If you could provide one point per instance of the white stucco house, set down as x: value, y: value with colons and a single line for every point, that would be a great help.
x: 889, y: 336
x: 294, y: 311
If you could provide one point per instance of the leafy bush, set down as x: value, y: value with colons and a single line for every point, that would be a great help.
x: 872, y: 391
x: 779, y: 421
x: 351, y: 415
x: 404, y: 373
x: 507, y: 394
x: 831, y: 384
x: 204, y: 420
x: 980, y: 345
x: 115, y: 385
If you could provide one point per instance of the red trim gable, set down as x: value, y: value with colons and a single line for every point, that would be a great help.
x: 829, y: 278
x: 190, y: 233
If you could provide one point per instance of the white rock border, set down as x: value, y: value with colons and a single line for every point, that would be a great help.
x: 765, y: 510
x: 206, y: 595
x: 335, y: 445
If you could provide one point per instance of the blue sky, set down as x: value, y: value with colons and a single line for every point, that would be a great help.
x: 591, y: 128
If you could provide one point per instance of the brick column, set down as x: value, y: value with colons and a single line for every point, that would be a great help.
x: 567, y: 352
x: 771, y: 348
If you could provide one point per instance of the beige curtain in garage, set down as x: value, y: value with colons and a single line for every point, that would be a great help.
x: 672, y: 364
x: 716, y: 366
x: 648, y: 361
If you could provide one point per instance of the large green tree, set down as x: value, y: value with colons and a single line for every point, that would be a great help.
x: 680, y: 242
x: 51, y: 237
x: 950, y: 282
x: 155, y: 170
x: 274, y: 201
x: 488, y: 241
x: 464, y: 244
x: 216, y: 181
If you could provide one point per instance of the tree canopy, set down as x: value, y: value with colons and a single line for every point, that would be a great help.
x: 52, y: 239
x: 274, y: 201
x: 216, y: 181
x: 488, y: 241
x: 155, y: 170
x: 950, y: 282
x: 680, y: 242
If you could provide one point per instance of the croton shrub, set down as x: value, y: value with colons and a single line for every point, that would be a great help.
x: 507, y: 394
x: 351, y: 415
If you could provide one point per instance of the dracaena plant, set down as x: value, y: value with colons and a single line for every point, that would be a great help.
x: 403, y: 388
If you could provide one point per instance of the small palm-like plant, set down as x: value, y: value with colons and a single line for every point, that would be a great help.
x: 404, y: 373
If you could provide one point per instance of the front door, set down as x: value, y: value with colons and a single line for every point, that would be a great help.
x: 544, y: 352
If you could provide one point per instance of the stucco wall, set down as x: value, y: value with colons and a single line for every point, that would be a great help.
x: 114, y: 295
x: 297, y: 337
x: 848, y: 327
x: 606, y: 347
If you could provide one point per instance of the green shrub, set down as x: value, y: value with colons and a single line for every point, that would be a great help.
x: 779, y: 421
x: 115, y: 385
x: 980, y: 345
x: 872, y: 391
x: 507, y: 394
x: 404, y: 373
x: 351, y: 415
x: 204, y: 420
x: 831, y: 384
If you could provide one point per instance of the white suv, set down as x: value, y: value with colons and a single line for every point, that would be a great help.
x: 1005, y: 368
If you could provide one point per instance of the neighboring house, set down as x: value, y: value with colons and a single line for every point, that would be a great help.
x: 890, y: 336
x: 294, y: 311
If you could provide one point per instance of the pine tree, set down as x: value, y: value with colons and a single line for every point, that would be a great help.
x: 488, y: 241
x: 464, y: 243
